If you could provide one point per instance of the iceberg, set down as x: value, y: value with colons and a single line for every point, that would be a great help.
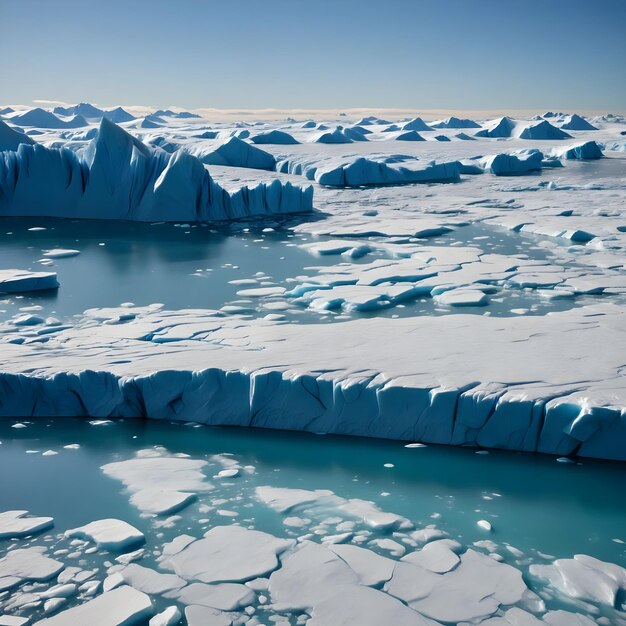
x: 371, y: 120
x: 515, y: 164
x: 543, y: 130
x: 181, y: 115
x: 119, y: 115
x: 84, y: 108
x: 151, y: 121
x: 339, y: 135
x: 40, y: 118
x: 575, y: 122
x: 10, y: 138
x: 275, y: 137
x: 416, y: 123
x: 362, y: 171
x: 455, y: 122
x: 237, y: 153
x: 20, y: 281
x: 121, y: 606
x: 501, y: 127
x: 118, y: 177
x: 587, y: 150
x: 411, y: 135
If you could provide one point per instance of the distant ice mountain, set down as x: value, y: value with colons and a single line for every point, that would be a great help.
x: 40, y: 118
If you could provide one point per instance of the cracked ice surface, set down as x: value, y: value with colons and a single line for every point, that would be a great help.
x: 260, y: 565
x: 475, y: 283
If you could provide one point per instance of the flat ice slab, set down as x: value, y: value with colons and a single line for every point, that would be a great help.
x: 15, y: 524
x: 18, y: 281
x: 109, y: 534
x: 124, y: 606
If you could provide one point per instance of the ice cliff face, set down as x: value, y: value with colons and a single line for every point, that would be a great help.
x: 119, y: 177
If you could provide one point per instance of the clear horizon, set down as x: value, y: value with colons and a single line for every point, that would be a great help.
x: 451, y: 56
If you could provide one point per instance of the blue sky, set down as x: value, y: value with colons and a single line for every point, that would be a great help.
x: 252, y: 54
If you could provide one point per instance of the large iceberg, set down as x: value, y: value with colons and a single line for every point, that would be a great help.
x: 361, y: 171
x: 236, y: 153
x: 575, y: 122
x: 515, y: 164
x: 416, y: 123
x: 119, y: 177
x: 543, y: 130
x: 502, y: 127
x: 587, y: 150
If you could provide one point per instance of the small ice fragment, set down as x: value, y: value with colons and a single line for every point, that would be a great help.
x: 60, y: 253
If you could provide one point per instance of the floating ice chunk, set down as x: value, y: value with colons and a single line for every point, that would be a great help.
x: 284, y: 500
x: 371, y: 568
x: 354, y: 604
x: 13, y: 620
x: 204, y: 616
x: 60, y: 253
x: 223, y: 596
x: 29, y: 564
x: 587, y: 150
x: 435, y: 556
x: 484, y: 524
x: 583, y: 578
x: 223, y: 555
x: 109, y: 534
x: 18, y: 281
x: 307, y: 576
x: 150, y: 581
x: 169, y: 617
x: 516, y: 164
x: 15, y: 524
x: 260, y: 292
x: 123, y: 606
x: 462, y: 297
x: 565, y: 618
x: 362, y: 171
x: 228, y: 473
x: 473, y: 590
x: 161, y: 484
